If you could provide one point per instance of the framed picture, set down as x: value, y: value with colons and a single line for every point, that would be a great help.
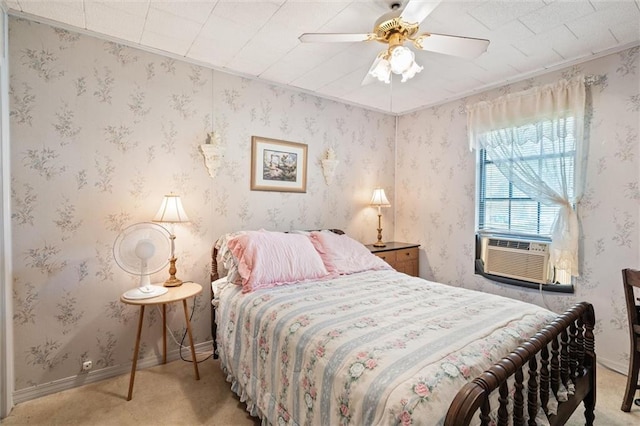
x: 278, y: 165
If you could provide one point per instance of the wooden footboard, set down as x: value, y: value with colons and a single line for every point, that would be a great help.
x: 561, y: 353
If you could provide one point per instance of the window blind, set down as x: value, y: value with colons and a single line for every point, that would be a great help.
x: 538, y: 148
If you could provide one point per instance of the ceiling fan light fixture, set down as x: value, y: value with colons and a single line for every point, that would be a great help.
x: 411, y: 72
x: 381, y: 69
x: 402, y: 61
x: 397, y: 27
x: 401, y: 58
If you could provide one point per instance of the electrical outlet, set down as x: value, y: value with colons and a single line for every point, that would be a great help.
x: 87, y: 365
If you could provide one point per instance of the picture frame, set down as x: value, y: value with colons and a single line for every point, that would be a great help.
x: 278, y: 165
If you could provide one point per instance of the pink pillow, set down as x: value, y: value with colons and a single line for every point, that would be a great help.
x: 344, y: 255
x: 267, y: 259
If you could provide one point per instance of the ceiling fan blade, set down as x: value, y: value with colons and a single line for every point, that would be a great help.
x: 465, y: 47
x: 334, y: 37
x: 417, y: 10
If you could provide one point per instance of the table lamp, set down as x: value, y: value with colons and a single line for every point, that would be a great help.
x: 379, y: 199
x: 171, y: 211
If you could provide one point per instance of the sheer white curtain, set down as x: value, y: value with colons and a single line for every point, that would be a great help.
x: 547, y: 121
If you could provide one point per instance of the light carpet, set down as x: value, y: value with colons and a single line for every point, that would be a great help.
x: 170, y: 395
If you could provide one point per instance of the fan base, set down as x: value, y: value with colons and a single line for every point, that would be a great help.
x: 137, y: 294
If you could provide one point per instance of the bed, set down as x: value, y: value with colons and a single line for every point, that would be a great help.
x: 359, y: 343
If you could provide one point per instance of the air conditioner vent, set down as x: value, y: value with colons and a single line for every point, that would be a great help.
x: 518, y: 245
x: 521, y: 260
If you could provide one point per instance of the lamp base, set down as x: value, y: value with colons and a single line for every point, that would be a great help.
x: 172, y: 281
x: 379, y: 243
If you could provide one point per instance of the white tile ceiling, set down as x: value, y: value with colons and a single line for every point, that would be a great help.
x: 259, y: 39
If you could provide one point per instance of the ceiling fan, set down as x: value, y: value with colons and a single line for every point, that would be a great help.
x: 395, y: 28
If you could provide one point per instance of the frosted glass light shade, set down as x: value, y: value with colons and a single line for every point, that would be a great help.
x: 398, y: 60
x: 401, y: 59
x: 411, y: 72
x: 381, y: 70
x: 171, y: 210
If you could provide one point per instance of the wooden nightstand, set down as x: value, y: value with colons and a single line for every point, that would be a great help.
x: 175, y: 294
x: 403, y: 257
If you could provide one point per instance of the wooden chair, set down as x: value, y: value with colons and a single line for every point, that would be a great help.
x: 631, y: 279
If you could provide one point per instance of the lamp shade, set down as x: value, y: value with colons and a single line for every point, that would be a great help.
x: 411, y: 72
x: 379, y: 199
x: 381, y: 69
x: 401, y: 59
x: 171, y: 210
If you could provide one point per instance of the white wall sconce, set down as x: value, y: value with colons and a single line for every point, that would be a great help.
x: 329, y: 164
x: 213, y: 151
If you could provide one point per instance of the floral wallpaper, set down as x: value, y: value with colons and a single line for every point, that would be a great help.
x: 433, y: 157
x: 100, y: 132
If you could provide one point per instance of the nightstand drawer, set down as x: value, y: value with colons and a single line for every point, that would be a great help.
x: 407, y: 261
x: 406, y: 254
x: 388, y: 256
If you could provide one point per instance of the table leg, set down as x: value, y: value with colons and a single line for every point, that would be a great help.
x: 193, y: 351
x: 164, y: 333
x: 135, y: 353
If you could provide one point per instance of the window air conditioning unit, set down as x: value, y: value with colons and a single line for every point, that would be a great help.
x: 517, y: 259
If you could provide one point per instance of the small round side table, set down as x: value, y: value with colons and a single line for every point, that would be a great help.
x: 175, y: 294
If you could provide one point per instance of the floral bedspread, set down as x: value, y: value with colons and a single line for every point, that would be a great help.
x: 377, y: 347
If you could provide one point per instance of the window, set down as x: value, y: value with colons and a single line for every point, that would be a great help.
x: 504, y: 208
x: 531, y: 167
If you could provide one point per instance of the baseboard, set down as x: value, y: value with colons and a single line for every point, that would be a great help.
x: 59, y: 385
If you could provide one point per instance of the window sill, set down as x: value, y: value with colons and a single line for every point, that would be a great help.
x: 556, y: 288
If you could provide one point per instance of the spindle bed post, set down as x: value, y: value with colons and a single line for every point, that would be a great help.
x: 573, y: 361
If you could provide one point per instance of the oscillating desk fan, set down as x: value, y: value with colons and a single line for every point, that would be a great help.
x: 143, y: 249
